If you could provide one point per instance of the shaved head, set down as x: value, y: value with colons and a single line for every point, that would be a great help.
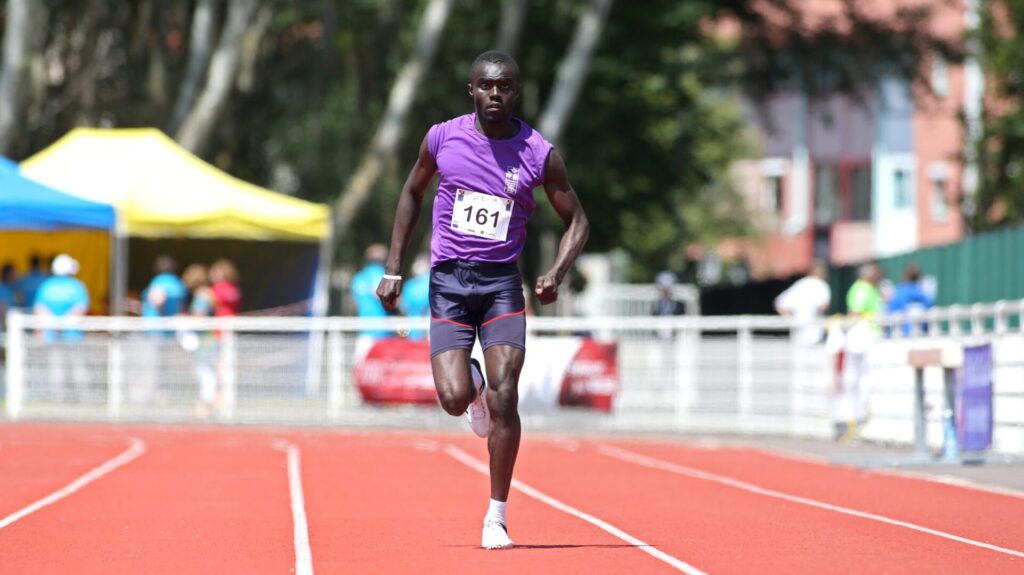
x: 494, y: 57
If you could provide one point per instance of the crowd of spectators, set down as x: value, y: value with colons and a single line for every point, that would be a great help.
x: 54, y: 290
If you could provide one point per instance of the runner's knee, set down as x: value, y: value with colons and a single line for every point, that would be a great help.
x: 452, y: 402
x: 503, y: 401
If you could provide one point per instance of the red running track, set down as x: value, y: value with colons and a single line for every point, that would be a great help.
x: 220, y: 500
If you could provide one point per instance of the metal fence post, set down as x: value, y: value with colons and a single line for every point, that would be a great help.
x: 934, y: 326
x: 1001, y: 321
x: 920, y: 421
x: 115, y: 371
x: 955, y: 328
x: 227, y: 369
x: 15, y: 364
x: 745, y: 366
x: 798, y: 374
x: 684, y: 357
x: 334, y: 381
x: 977, y: 323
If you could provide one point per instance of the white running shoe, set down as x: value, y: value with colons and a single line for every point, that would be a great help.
x: 478, y: 415
x: 495, y: 535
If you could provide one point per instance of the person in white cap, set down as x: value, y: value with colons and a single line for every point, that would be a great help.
x: 63, y: 295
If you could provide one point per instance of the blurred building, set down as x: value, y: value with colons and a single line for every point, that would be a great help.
x: 848, y: 180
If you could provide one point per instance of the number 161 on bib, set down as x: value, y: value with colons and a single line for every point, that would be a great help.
x: 481, y: 215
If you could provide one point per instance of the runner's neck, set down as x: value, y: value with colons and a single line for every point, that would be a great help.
x: 503, y: 131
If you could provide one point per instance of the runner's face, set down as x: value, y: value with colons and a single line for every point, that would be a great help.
x: 494, y: 88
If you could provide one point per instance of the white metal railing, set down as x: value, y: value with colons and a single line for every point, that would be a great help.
x: 629, y: 300
x: 957, y: 320
x: 707, y: 373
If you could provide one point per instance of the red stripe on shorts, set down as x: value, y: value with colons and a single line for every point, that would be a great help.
x: 494, y: 319
x: 453, y: 322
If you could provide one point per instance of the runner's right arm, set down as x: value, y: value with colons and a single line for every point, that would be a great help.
x: 407, y: 214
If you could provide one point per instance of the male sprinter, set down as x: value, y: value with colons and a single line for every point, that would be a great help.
x: 489, y: 162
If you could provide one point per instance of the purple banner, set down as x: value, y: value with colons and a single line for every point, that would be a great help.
x: 974, y: 399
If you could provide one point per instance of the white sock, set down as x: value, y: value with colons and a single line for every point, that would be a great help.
x: 496, y: 511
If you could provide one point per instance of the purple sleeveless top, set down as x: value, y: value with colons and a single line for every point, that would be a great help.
x: 470, y: 164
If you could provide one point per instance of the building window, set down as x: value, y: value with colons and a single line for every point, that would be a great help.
x: 938, y: 178
x: 940, y: 206
x: 861, y: 204
x: 903, y: 190
x: 772, y: 194
x: 823, y: 244
x: 826, y: 195
x: 940, y: 76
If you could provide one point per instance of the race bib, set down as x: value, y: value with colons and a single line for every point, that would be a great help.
x: 481, y: 215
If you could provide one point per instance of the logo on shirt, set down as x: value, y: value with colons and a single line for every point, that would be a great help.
x: 511, y: 179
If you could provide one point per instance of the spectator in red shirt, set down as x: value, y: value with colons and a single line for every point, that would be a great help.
x: 226, y: 294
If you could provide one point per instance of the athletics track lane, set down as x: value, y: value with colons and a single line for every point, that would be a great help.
x: 721, y: 529
x: 973, y: 513
x: 37, y: 460
x: 209, y: 501
x: 216, y: 501
x: 396, y: 503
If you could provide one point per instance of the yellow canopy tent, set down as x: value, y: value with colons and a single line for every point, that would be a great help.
x: 160, y: 190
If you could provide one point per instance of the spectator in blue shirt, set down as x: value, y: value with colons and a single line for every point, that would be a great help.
x: 364, y: 287
x: 8, y: 280
x: 28, y: 285
x: 909, y: 296
x: 166, y: 294
x: 416, y: 293
x: 63, y: 295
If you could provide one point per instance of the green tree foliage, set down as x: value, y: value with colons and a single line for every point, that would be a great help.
x: 1000, y: 151
x: 649, y: 145
x: 652, y: 139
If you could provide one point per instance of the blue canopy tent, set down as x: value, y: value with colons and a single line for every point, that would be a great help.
x: 38, y: 220
x: 28, y: 205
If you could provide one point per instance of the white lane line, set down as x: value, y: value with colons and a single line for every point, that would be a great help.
x: 425, y: 444
x: 480, y: 466
x: 941, y: 479
x: 303, y: 555
x: 137, y: 448
x: 735, y: 483
x: 803, y: 457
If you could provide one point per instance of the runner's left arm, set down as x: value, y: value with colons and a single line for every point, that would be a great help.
x: 567, y: 205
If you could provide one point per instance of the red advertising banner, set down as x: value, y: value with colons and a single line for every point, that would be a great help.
x: 397, y: 370
x: 592, y: 379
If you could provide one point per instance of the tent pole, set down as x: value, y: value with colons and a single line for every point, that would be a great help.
x: 321, y: 290
x: 119, y: 265
x: 318, y: 308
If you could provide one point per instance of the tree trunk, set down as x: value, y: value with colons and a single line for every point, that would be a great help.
x: 195, y: 130
x: 251, y: 49
x: 573, y: 71
x: 200, y: 45
x: 152, y: 21
x: 13, y: 70
x: 513, y: 16
x: 392, y: 125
